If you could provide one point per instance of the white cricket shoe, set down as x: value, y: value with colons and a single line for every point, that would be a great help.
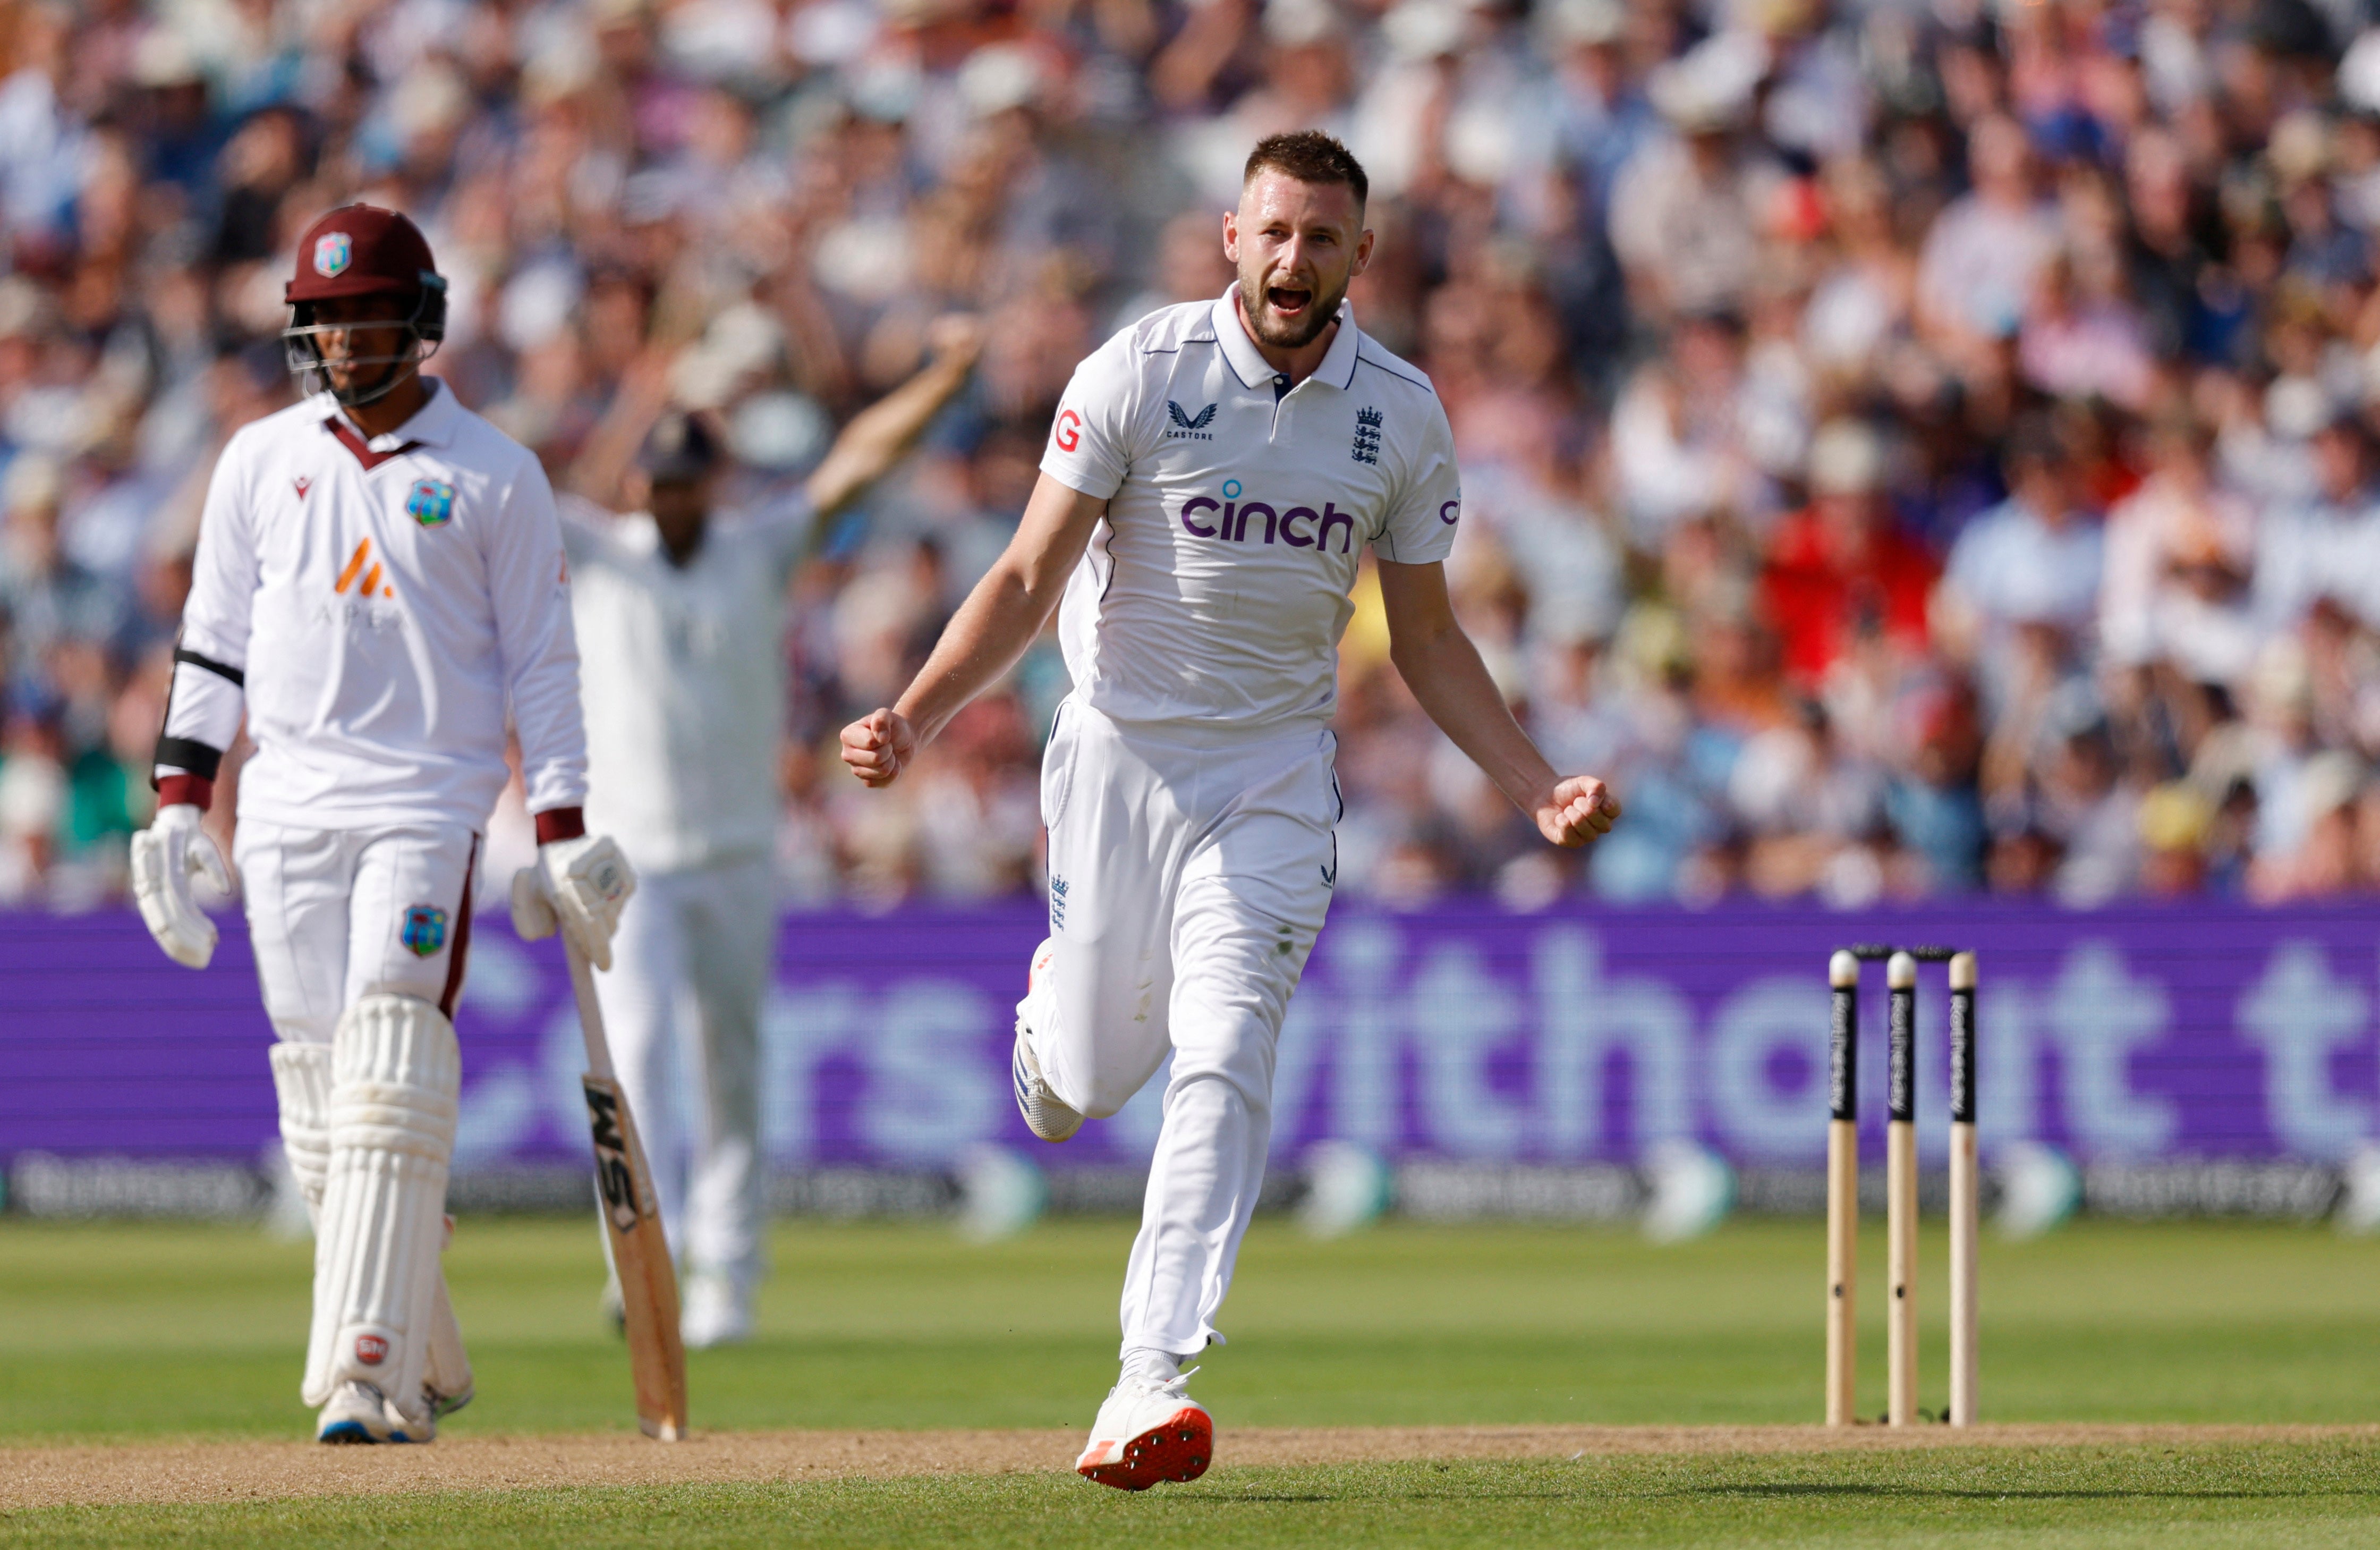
x: 1044, y: 1114
x: 1147, y: 1432
x: 360, y: 1413
x: 718, y: 1312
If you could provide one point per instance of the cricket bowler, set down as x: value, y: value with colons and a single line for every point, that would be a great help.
x: 379, y: 587
x: 1236, y: 459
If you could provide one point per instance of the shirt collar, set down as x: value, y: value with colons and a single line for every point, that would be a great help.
x: 433, y: 424
x: 1338, y: 367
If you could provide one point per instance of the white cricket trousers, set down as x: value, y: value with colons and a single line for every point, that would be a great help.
x: 334, y: 915
x: 1187, y: 886
x: 681, y: 1006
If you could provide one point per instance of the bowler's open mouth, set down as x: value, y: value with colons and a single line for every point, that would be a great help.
x: 1289, y: 301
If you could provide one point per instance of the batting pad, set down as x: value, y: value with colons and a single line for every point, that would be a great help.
x: 395, y: 1076
x: 301, y: 1078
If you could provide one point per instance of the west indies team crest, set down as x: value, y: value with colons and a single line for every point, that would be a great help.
x: 333, y: 253
x: 431, y: 504
x: 424, y: 931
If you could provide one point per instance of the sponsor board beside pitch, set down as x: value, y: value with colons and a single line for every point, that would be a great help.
x: 1458, y: 1033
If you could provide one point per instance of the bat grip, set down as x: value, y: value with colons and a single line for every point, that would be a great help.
x: 590, y: 1012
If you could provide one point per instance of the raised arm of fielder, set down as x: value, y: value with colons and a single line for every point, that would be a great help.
x: 990, y: 631
x: 879, y: 433
x: 1442, y: 667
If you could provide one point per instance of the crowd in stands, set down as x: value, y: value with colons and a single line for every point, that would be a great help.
x: 1910, y: 448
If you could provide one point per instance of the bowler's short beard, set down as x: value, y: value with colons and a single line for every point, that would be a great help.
x: 1321, y: 313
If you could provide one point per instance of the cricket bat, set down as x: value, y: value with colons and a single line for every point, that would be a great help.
x: 632, y: 1221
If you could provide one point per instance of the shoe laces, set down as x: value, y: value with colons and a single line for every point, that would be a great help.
x: 1174, y: 1388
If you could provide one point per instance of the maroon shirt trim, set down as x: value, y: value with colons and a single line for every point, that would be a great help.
x: 355, y: 444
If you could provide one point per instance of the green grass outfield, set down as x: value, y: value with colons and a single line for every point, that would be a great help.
x: 111, y: 1333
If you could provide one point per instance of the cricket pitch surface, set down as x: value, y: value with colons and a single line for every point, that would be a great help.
x: 233, y: 1471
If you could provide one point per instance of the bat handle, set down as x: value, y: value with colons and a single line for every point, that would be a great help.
x: 591, y: 1013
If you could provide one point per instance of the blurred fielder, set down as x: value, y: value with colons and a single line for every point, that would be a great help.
x: 1242, y: 455
x: 682, y: 621
x: 379, y: 580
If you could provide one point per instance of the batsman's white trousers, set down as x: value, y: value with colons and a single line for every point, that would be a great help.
x: 681, y: 1006
x: 1187, y: 886
x: 334, y: 915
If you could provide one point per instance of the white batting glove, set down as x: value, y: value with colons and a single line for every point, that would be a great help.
x: 578, y: 885
x: 165, y: 855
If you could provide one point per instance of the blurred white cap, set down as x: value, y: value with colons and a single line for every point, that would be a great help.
x: 998, y: 76
x: 1422, y: 30
x: 1846, y: 458
x: 33, y: 479
x: 2359, y: 73
x: 1297, y: 23
x: 1584, y: 23
x: 2297, y: 407
x: 162, y: 57
x: 1709, y: 87
x: 2332, y: 779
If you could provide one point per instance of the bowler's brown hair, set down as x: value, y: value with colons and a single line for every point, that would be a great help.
x: 1310, y: 156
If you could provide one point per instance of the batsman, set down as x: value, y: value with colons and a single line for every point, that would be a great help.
x: 379, y: 587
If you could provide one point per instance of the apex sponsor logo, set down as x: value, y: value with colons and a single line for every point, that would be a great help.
x: 1234, y: 520
x: 370, y: 585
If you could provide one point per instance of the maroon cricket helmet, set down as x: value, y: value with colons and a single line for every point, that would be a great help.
x: 361, y: 250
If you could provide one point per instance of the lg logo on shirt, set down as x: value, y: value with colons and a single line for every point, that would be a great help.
x: 1301, y: 527
x: 1069, y: 433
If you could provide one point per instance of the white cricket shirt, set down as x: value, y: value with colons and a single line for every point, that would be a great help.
x: 1238, y: 510
x: 685, y: 681
x: 378, y: 607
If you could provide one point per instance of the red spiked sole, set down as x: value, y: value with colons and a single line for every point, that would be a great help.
x: 1177, y: 1450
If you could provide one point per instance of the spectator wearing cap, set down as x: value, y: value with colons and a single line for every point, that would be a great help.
x: 2031, y: 564
x: 2180, y: 552
x: 47, y: 599
x: 1983, y: 255
x: 1840, y: 568
x: 680, y: 619
x: 2321, y: 546
x: 1685, y: 210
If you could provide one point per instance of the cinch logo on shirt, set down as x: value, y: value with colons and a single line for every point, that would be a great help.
x: 1300, y: 527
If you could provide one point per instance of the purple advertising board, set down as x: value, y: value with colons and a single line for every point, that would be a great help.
x: 1459, y: 1032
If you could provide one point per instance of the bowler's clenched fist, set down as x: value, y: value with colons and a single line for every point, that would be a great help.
x: 1579, y: 809
x: 879, y: 746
